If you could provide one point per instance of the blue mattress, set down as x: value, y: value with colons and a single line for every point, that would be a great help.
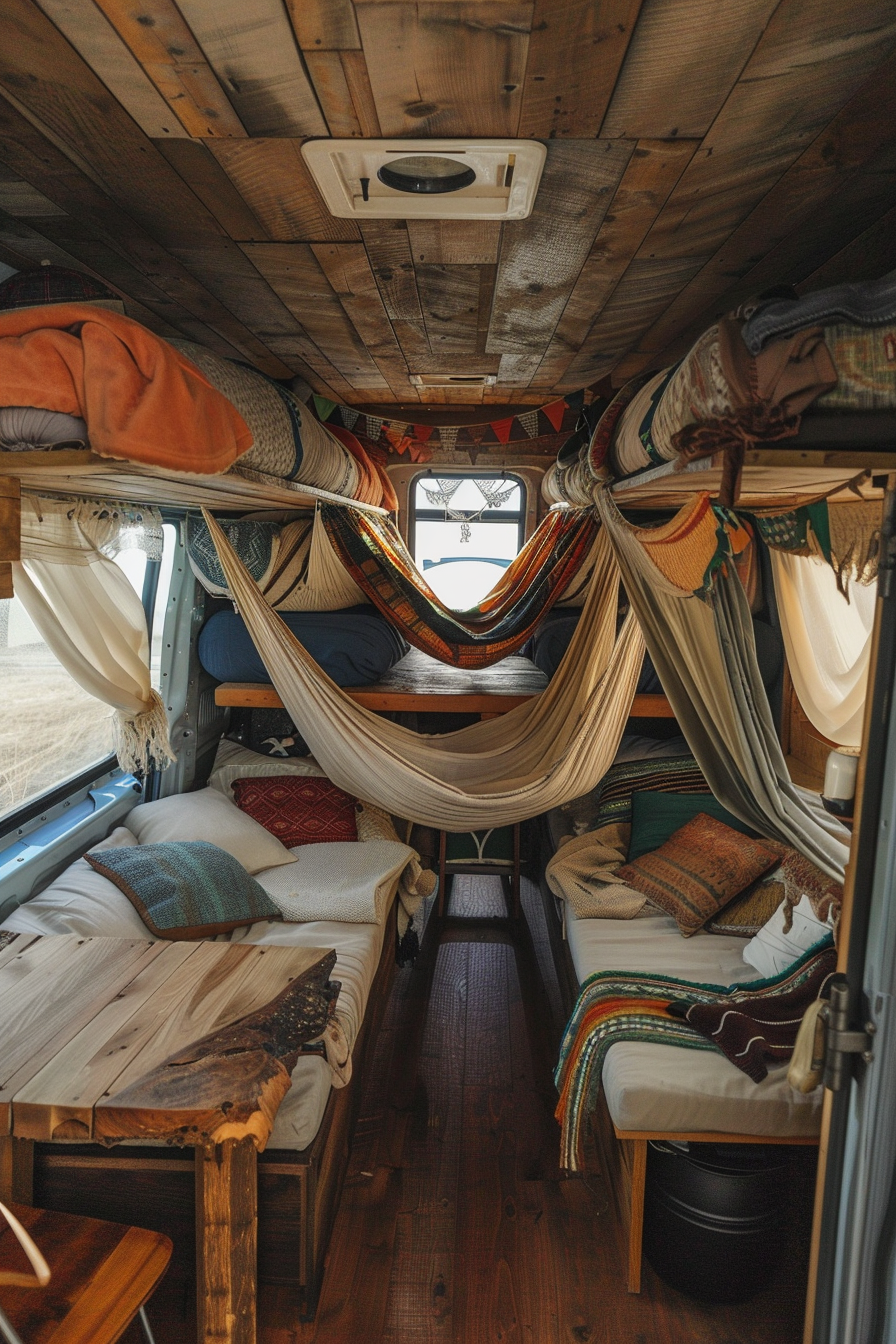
x: 354, y: 647
x: 551, y: 640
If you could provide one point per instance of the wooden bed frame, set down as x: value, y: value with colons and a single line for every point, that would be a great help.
x: 154, y: 1187
x: 622, y: 1154
x: 422, y: 684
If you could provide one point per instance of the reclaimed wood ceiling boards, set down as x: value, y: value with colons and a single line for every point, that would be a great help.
x: 698, y: 152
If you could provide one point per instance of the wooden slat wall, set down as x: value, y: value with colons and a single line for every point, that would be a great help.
x: 698, y: 151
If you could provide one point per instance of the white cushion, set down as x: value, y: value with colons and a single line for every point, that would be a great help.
x: 207, y: 815
x: 82, y: 901
x: 669, y: 1088
x: 772, y: 950
x: 343, y: 880
x: 236, y: 762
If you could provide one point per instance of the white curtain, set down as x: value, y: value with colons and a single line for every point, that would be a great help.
x: 551, y: 749
x: 705, y: 656
x: 828, y: 642
x: 88, y: 614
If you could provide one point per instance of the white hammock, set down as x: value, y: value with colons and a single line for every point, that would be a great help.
x: 549, y: 750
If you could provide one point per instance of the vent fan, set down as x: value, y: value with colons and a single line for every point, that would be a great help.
x: 426, y: 179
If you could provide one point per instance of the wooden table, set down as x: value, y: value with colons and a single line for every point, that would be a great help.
x: 86, y: 1020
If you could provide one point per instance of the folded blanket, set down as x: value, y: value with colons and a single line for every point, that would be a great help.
x: 142, y: 401
x: 866, y: 303
x: 761, y: 1023
x: 341, y: 880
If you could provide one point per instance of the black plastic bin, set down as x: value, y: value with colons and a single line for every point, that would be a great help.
x: 715, y: 1216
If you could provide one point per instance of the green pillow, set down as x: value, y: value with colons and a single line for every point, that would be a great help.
x: 657, y: 816
x: 185, y: 888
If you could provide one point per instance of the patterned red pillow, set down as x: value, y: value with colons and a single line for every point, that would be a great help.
x: 298, y: 809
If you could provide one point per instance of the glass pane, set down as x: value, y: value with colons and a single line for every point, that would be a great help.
x: 50, y: 729
x: 462, y: 572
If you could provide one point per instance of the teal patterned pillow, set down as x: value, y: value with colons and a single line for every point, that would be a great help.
x: 185, y: 888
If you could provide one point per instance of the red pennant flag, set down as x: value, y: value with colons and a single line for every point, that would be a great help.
x: 422, y: 432
x: 554, y: 413
x: 502, y: 429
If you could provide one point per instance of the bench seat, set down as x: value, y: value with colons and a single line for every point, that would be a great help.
x: 666, y: 1088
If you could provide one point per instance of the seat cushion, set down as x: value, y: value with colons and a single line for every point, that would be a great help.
x: 668, y: 1089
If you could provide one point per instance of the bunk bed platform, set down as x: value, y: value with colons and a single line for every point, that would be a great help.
x: 786, y: 481
x: 80, y: 472
x: 419, y: 683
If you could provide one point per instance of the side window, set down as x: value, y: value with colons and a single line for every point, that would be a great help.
x: 51, y: 730
x: 465, y: 531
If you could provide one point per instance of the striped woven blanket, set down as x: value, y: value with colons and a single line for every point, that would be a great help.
x: 372, y: 550
x: 618, y: 1006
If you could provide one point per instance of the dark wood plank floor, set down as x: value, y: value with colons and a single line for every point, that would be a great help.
x: 455, y: 1223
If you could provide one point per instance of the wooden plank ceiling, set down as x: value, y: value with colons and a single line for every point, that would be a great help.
x: 699, y: 151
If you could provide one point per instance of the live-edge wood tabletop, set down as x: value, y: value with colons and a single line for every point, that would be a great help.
x: 84, y: 1019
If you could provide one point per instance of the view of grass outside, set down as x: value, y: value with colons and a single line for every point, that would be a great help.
x: 50, y: 729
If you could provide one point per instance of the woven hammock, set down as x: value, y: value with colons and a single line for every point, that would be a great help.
x: 373, y: 553
x: 553, y: 748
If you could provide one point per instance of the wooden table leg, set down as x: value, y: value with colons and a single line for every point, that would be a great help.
x: 226, y: 1242
x: 16, y: 1170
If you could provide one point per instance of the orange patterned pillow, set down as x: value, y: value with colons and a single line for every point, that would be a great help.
x: 701, y: 867
x: 298, y: 809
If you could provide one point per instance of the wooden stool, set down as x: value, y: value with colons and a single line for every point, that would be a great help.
x: 447, y: 867
x: 101, y: 1274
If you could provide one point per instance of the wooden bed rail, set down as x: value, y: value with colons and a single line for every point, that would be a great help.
x: 248, y: 695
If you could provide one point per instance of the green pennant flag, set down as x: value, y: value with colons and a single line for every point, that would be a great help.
x: 324, y: 407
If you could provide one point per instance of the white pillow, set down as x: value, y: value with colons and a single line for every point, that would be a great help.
x: 82, y: 901
x: 207, y: 815
x: 341, y: 880
x: 772, y: 950
x: 236, y: 762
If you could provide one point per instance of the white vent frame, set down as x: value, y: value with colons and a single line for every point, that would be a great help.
x: 507, y: 176
x: 453, y: 379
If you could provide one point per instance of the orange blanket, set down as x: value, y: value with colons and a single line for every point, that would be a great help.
x: 142, y: 400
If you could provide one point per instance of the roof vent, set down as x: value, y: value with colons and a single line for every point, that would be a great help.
x: 453, y: 379
x: 426, y: 179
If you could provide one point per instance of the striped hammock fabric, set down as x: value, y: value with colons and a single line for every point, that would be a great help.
x: 373, y: 553
x: 621, y: 1006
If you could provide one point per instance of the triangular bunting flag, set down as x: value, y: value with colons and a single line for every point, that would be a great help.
x: 397, y: 427
x: 554, y: 413
x: 448, y: 436
x: 422, y: 432
x: 502, y: 429
x: 529, y: 422
x: 349, y: 416
x: 324, y: 407
x: 575, y: 400
x: 374, y: 425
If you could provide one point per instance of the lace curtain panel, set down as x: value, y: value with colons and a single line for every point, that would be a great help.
x: 551, y: 749
x: 89, y: 615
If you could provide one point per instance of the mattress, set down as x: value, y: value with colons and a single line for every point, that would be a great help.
x: 669, y: 1089
x: 77, y: 903
x: 354, y: 647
